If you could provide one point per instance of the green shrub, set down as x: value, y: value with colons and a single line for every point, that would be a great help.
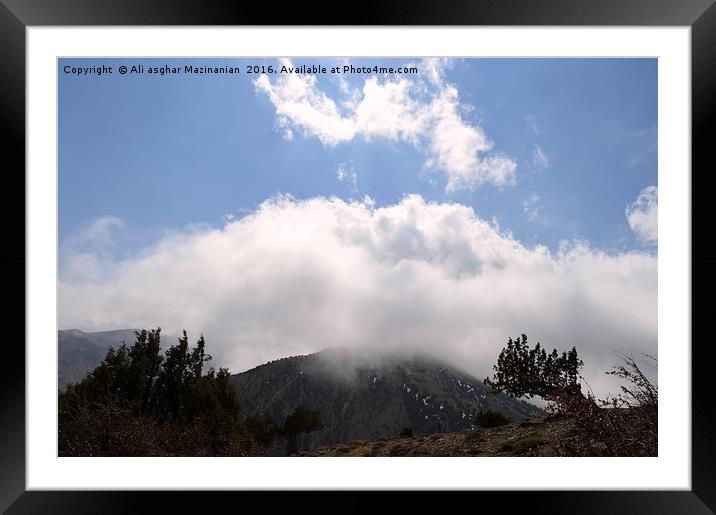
x: 491, y: 418
x: 406, y: 432
x: 262, y: 429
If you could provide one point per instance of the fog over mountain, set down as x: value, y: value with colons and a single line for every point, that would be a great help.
x: 298, y: 276
x: 367, y: 395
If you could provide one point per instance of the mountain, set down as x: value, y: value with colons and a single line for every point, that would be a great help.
x: 79, y: 352
x: 362, y: 397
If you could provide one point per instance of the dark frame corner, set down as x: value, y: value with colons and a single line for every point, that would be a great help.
x: 17, y: 15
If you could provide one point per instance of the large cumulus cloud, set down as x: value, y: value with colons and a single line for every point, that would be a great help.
x: 296, y: 277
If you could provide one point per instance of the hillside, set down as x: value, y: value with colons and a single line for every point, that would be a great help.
x: 79, y: 352
x: 362, y: 397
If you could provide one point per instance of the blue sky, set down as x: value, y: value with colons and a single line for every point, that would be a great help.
x: 286, y: 213
x: 164, y: 152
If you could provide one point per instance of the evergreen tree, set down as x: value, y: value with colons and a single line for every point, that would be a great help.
x: 214, y: 405
x: 263, y: 429
x: 106, y: 383
x: 145, y: 362
x: 302, y: 420
x: 174, y: 380
x: 522, y: 371
x: 171, y: 389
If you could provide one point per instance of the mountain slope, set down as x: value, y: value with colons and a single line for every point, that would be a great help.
x: 364, y: 398
x: 79, y: 352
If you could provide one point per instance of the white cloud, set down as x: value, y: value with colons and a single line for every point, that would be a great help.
x: 435, y: 68
x: 298, y: 100
x: 539, y: 158
x: 420, y: 112
x: 455, y: 146
x: 283, y: 126
x: 346, y: 172
x: 100, y: 232
x: 298, y: 276
x: 387, y: 111
x: 642, y: 215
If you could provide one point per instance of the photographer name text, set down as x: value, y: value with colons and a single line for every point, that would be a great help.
x: 188, y: 69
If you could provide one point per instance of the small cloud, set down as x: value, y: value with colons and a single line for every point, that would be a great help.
x: 435, y: 68
x: 346, y: 172
x: 100, y: 233
x: 283, y: 126
x: 539, y: 158
x: 642, y: 215
x: 85, y: 254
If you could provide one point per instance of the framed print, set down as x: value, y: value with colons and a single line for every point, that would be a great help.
x: 417, y: 258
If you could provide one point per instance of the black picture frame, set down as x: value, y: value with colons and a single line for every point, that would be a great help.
x: 17, y: 15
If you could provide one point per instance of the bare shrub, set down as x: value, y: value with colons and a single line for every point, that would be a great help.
x: 622, y: 425
x: 111, y: 429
